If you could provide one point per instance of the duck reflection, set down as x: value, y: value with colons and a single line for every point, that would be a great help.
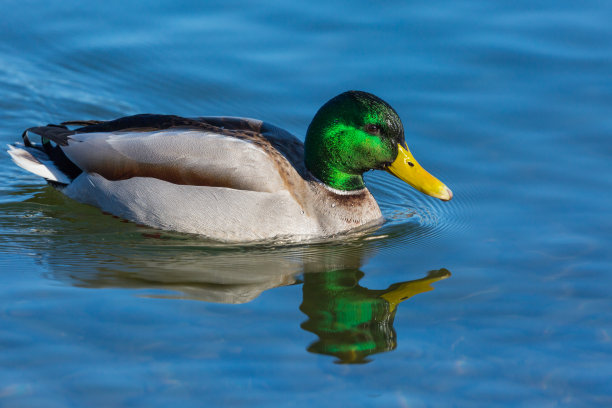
x: 353, y: 322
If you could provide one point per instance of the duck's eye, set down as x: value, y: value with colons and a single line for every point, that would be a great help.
x: 372, y: 129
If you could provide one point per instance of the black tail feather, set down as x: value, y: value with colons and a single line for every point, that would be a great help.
x: 56, y: 133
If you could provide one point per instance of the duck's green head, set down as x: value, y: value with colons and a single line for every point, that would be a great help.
x: 356, y: 132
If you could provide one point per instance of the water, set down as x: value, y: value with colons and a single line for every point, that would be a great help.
x: 509, y: 104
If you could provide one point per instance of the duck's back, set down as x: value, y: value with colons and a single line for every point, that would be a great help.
x: 243, y: 154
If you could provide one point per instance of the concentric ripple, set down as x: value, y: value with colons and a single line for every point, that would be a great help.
x: 415, y: 219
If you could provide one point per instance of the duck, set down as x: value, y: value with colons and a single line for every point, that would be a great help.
x: 231, y: 179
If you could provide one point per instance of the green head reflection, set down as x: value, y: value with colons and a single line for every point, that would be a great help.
x: 353, y: 322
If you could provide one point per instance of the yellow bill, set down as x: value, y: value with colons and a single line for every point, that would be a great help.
x: 407, y: 169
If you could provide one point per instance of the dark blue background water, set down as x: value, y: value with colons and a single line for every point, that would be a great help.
x: 510, y: 103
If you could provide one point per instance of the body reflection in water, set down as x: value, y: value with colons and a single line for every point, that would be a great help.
x: 353, y: 322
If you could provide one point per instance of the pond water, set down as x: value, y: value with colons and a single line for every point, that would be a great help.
x: 500, y: 296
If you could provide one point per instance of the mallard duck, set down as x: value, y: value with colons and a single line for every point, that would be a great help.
x: 232, y: 179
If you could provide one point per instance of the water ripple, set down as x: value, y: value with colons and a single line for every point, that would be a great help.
x: 415, y: 219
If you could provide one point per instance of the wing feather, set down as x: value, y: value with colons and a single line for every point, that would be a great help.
x: 180, y: 156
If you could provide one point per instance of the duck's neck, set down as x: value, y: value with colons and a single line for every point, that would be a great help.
x: 336, y: 179
x: 329, y: 165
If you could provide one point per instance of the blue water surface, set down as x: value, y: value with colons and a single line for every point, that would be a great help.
x: 507, y: 300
